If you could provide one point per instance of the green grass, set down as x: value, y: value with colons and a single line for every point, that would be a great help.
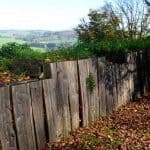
x: 38, y: 49
x: 8, y: 40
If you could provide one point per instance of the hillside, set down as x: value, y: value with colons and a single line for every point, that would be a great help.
x: 38, y: 38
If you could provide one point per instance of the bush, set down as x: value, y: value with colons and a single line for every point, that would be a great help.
x: 70, y: 53
x: 22, y: 51
x: 5, y: 64
x: 21, y: 58
x: 30, y: 67
x: 11, y: 50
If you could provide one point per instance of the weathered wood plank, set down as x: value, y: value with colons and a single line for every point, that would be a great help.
x: 90, y: 103
x: 83, y: 73
x: 63, y: 97
x: 114, y: 86
x: 46, y: 71
x: 118, y: 85
x: 108, y: 81
x: 7, y: 133
x: 38, y: 113
x: 125, y: 86
x: 101, y: 84
x: 53, y: 70
x: 117, y: 92
x: 52, y: 113
x: 146, y: 76
x: 136, y: 78
x: 70, y: 70
x: 3, y: 143
x: 23, y: 117
x: 93, y: 97
x: 57, y: 108
x: 148, y: 68
x: 130, y: 76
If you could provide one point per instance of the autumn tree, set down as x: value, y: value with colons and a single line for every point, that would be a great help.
x: 127, y: 19
x: 103, y: 24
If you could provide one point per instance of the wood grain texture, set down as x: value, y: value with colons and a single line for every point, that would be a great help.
x: 70, y: 72
x: 52, y: 113
x: 23, y: 117
x: 7, y: 133
x: 130, y: 73
x: 90, y: 103
x: 63, y: 98
x: 108, y: 81
x: 57, y: 108
x: 101, y: 84
x: 117, y: 74
x: 114, y: 80
x: 38, y: 113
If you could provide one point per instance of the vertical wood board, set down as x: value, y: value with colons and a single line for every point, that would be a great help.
x: 101, y: 85
x: 38, y: 113
x: 23, y: 117
x: 7, y: 132
x: 90, y: 103
x: 70, y: 71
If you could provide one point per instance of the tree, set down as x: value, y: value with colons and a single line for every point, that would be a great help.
x: 120, y: 19
x: 135, y: 18
x: 103, y: 24
x: 147, y: 2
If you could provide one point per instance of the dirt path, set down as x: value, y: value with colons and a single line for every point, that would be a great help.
x: 126, y: 129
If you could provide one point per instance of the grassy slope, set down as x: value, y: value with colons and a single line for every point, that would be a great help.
x: 7, y: 40
x: 38, y: 49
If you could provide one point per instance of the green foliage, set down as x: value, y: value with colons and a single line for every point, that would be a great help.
x: 4, y: 40
x: 20, y: 59
x: 116, y: 20
x: 11, y: 50
x: 102, y: 25
x: 5, y: 64
x: 74, y: 52
x: 30, y: 67
x: 15, y: 50
x: 91, y: 141
x: 90, y: 82
x: 118, y: 45
x: 113, y: 50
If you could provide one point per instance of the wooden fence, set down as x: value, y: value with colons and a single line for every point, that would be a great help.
x: 34, y: 113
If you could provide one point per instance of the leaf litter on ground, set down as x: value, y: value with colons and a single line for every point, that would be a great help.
x: 126, y: 129
x: 8, y: 77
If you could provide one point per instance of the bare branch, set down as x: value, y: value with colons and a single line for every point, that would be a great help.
x: 147, y: 2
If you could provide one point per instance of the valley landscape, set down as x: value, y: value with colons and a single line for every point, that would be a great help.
x: 42, y: 40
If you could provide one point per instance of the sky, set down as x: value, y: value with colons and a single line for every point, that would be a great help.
x: 51, y: 15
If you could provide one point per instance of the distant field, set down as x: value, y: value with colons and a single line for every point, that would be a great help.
x: 7, y: 40
x: 4, y: 40
x: 38, y: 49
x: 74, y: 40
